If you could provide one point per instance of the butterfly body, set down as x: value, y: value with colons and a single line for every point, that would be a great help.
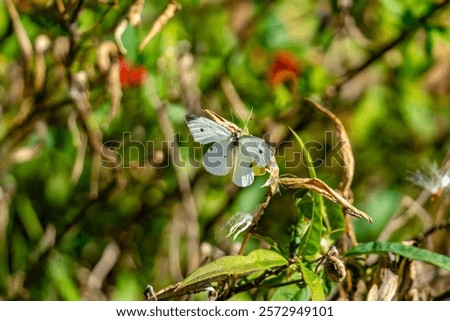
x: 231, y: 148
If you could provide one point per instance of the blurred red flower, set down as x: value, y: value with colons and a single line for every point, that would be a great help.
x: 284, y: 70
x: 131, y: 76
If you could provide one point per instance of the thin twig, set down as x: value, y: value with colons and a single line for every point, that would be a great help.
x: 256, y: 283
x: 431, y: 230
x: 79, y: 140
x: 22, y: 36
x: 77, y: 11
x: 160, y: 22
x: 405, y: 34
x: 80, y: 96
x: 135, y: 12
x: 255, y: 221
x: 189, y: 82
x: 233, y: 98
x: 106, y: 263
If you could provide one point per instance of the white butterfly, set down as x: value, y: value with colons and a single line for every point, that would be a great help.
x: 230, y: 148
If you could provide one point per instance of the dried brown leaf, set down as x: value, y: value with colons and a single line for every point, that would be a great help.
x: 118, y: 33
x: 323, y: 189
x: 346, y: 151
x: 385, y: 283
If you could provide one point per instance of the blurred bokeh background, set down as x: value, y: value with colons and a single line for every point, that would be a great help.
x: 92, y: 205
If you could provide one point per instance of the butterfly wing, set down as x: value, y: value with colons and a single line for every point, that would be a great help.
x: 256, y: 149
x: 218, y: 160
x: 205, y: 130
x: 243, y: 175
x: 222, y: 121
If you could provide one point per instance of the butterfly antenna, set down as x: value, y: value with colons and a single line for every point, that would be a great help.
x: 231, y: 113
x: 249, y: 118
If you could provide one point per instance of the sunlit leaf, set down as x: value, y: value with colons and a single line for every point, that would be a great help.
x: 310, y: 242
x: 313, y: 281
x: 257, y: 260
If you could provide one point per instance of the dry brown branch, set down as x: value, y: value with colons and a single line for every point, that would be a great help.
x: 108, y: 63
x: 106, y: 263
x: 61, y: 48
x: 385, y: 283
x: 107, y: 52
x: 18, y: 130
x: 118, y: 33
x: 135, y: 12
x: 22, y: 36
x: 26, y: 153
x: 349, y: 25
x: 25, y: 109
x: 5, y: 200
x: 60, y: 6
x: 115, y: 91
x: 45, y: 244
x: 95, y: 174
x: 187, y: 199
x: 323, y: 189
x: 188, y: 81
x: 400, y: 218
x: 79, y: 139
x: 160, y: 22
x: 233, y: 98
x: 41, y: 45
x: 80, y: 95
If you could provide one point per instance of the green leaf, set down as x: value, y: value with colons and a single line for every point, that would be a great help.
x: 415, y: 109
x: 310, y: 242
x: 4, y: 20
x: 127, y: 287
x: 291, y: 292
x: 129, y: 41
x: 309, y: 162
x: 58, y: 188
x: 60, y: 270
x: 257, y: 260
x: 380, y: 214
x: 313, y: 281
x: 408, y: 251
x: 29, y: 217
x: 209, y: 70
x: 371, y: 111
x: 337, y: 224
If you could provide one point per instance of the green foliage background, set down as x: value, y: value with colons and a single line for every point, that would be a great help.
x: 53, y: 230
